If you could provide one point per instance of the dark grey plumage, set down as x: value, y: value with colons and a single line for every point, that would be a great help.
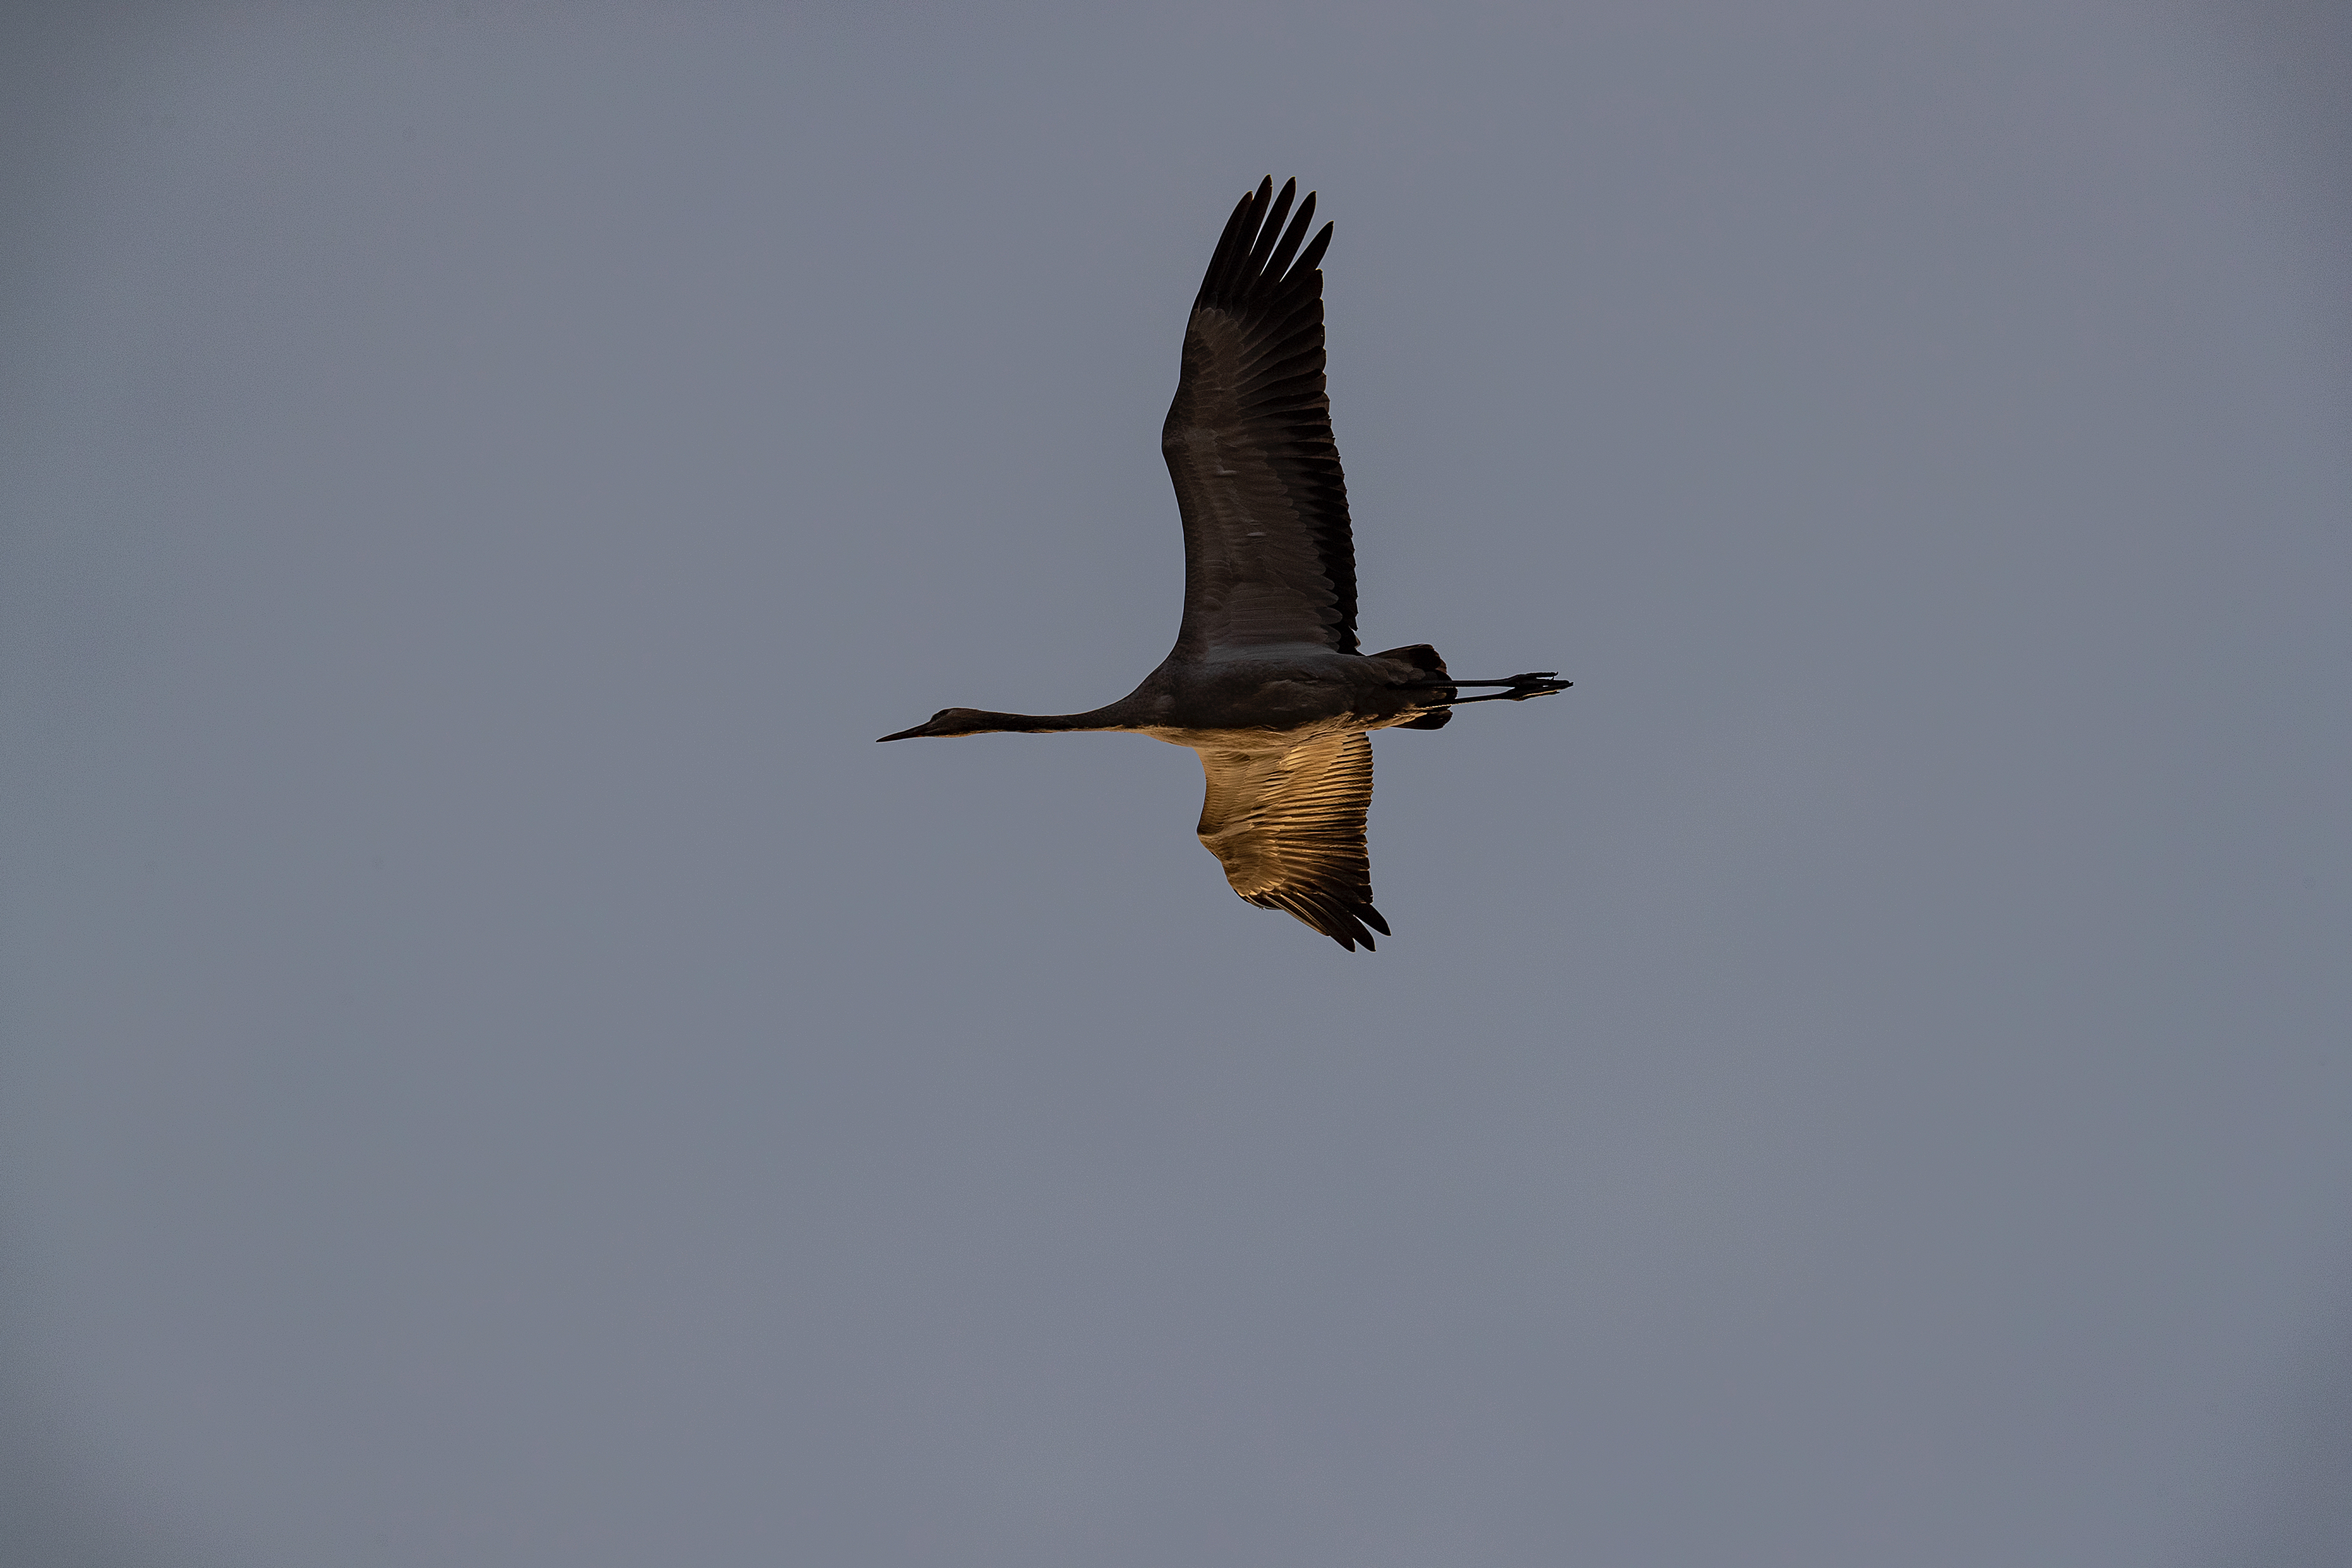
x: 1268, y: 556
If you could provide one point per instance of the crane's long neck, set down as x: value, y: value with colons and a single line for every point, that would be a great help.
x: 1114, y: 717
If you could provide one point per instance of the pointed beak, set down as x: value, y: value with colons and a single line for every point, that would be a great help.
x: 904, y: 735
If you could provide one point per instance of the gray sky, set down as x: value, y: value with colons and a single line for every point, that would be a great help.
x: 502, y: 1070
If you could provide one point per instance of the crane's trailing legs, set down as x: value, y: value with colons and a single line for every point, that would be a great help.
x: 1535, y: 683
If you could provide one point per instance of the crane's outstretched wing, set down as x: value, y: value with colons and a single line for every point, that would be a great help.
x: 1267, y: 555
x: 1289, y: 826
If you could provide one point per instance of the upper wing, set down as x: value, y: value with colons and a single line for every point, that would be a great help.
x: 1289, y: 826
x: 1267, y: 555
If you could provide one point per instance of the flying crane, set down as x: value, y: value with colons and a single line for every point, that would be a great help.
x: 1266, y: 681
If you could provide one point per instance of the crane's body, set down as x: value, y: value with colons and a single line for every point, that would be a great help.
x: 1264, y: 682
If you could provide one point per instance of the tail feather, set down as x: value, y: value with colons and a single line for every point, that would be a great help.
x: 1421, y: 656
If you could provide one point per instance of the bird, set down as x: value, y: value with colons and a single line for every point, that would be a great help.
x: 1266, y: 681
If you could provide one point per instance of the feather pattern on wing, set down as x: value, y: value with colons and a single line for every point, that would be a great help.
x: 1289, y: 826
x: 1268, y: 559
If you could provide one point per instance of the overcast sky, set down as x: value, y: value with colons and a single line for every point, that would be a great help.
x: 502, y: 1070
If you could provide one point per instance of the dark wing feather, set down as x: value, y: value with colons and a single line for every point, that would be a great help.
x: 1268, y: 554
x: 1290, y: 828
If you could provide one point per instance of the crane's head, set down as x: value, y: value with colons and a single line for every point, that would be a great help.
x: 949, y: 722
